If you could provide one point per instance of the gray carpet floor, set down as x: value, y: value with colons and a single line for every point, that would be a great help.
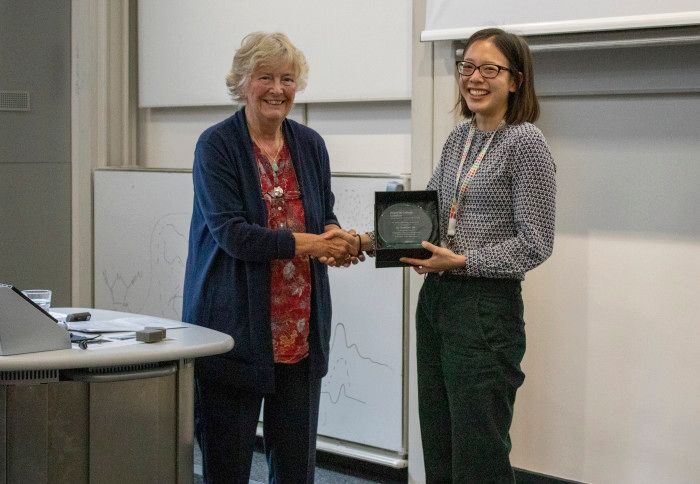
x: 325, y: 474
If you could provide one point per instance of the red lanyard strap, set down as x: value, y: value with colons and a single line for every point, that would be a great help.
x: 461, y: 188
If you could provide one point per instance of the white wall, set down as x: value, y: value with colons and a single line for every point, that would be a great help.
x: 612, y: 390
x: 361, y: 137
x: 365, y: 137
x: 167, y: 136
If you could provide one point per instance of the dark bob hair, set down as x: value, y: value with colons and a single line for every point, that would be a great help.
x: 522, y: 104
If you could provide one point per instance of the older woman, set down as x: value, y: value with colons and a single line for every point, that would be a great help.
x: 262, y: 201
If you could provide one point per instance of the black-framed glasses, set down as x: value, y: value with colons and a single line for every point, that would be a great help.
x: 487, y: 71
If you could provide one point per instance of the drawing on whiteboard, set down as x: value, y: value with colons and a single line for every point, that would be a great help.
x: 158, y: 292
x: 340, y: 329
x: 354, y: 396
x: 341, y: 393
x: 167, y: 254
x: 352, y: 375
x: 120, y: 290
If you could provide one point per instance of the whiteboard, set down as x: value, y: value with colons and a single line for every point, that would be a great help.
x: 362, y: 397
x: 449, y: 19
x: 357, y: 51
x: 141, y: 228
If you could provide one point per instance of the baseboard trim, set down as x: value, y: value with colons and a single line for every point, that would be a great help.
x: 523, y: 476
x: 345, y: 464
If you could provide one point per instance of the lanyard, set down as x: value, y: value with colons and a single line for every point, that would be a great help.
x: 461, y: 189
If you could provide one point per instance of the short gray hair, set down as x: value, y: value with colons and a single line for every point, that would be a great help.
x: 264, y: 49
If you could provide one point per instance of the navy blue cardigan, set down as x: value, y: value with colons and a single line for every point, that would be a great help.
x: 227, y: 278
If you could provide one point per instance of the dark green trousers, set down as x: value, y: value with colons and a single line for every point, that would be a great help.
x: 470, y: 341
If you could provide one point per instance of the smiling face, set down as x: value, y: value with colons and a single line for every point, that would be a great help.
x: 269, y: 96
x: 486, y: 98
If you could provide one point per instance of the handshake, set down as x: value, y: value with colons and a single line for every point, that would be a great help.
x: 341, y: 248
x: 334, y: 247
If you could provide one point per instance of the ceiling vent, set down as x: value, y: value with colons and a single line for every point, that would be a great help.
x: 14, y: 101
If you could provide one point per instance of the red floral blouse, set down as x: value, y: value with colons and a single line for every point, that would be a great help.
x: 290, y: 307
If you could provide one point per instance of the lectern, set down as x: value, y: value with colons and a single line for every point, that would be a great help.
x: 112, y: 413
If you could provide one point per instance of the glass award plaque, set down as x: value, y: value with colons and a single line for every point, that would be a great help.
x: 402, y: 220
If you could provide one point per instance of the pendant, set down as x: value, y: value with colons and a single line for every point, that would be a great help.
x: 277, y: 192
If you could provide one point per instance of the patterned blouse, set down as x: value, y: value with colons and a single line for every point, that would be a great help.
x: 290, y: 305
x: 505, y: 223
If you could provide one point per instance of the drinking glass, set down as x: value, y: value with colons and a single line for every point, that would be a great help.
x: 41, y: 297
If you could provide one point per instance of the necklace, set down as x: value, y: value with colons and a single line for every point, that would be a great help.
x: 277, y: 191
x: 271, y: 159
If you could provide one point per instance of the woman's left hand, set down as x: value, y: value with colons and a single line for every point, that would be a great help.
x: 443, y: 259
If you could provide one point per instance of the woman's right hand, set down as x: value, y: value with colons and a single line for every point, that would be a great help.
x: 322, y: 246
x: 352, y: 238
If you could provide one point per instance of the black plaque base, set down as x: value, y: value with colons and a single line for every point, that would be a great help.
x: 390, y: 257
x: 402, y: 220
